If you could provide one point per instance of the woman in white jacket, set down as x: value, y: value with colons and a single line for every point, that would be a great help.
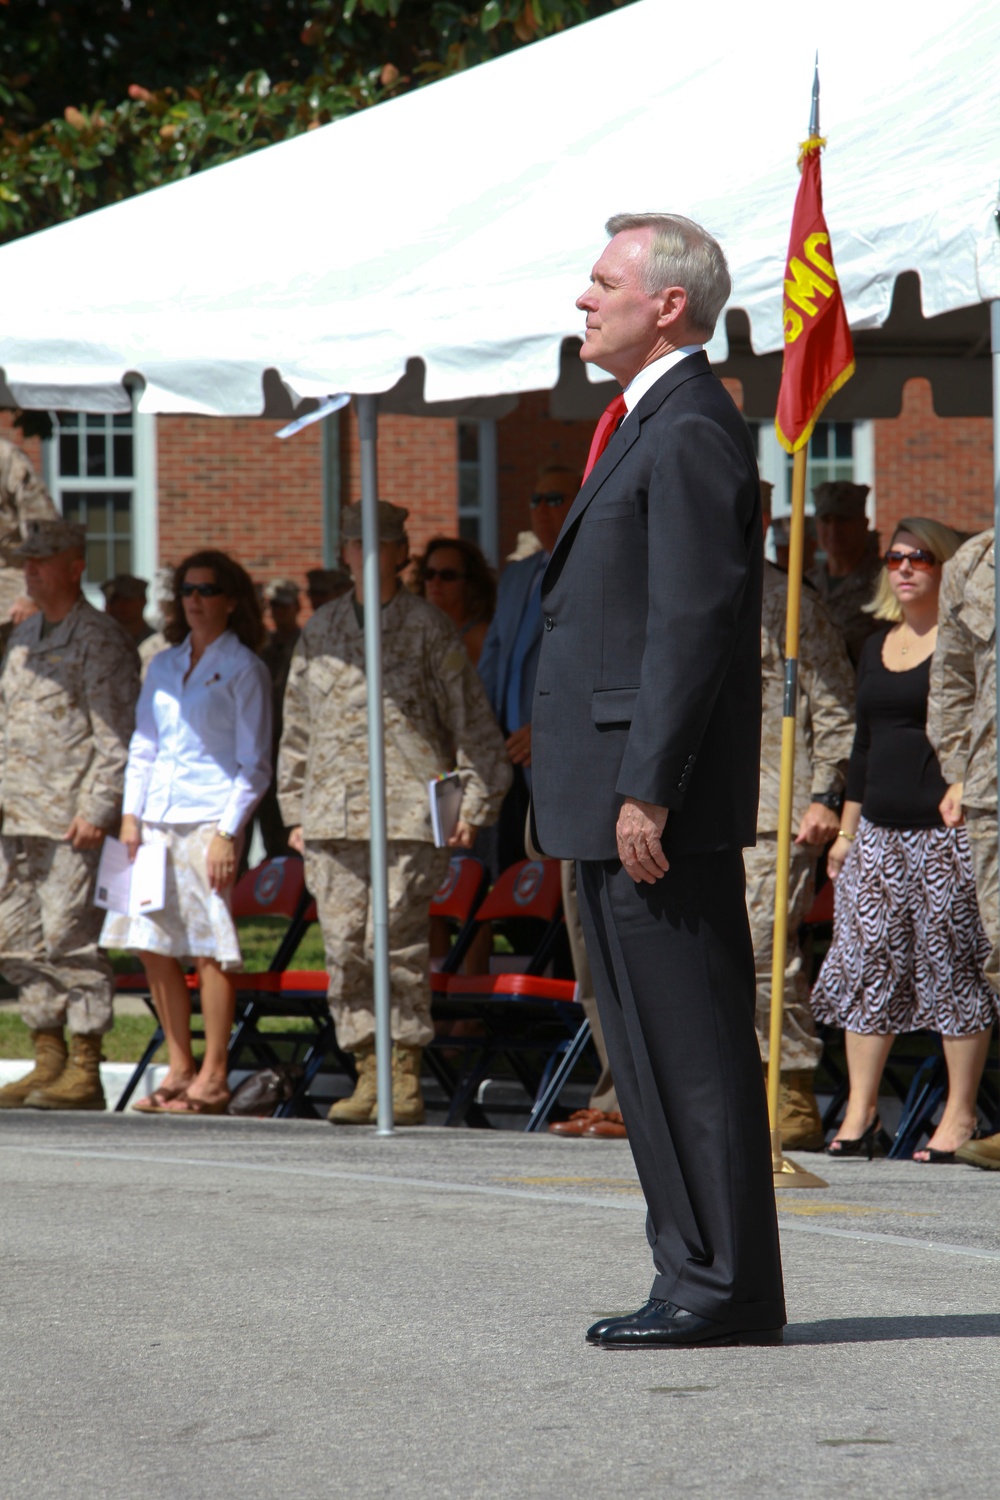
x: 199, y: 762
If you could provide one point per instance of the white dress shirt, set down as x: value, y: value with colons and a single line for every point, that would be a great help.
x: 640, y: 384
x: 201, y: 750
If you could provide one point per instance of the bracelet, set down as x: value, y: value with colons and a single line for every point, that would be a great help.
x: 843, y: 834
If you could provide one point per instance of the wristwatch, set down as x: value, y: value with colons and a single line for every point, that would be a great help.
x: 833, y: 800
x: 227, y: 836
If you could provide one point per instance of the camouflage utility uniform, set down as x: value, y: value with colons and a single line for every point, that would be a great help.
x: 68, y: 707
x: 436, y: 718
x: 823, y: 740
x: 843, y: 599
x: 23, y: 497
x: 961, y: 714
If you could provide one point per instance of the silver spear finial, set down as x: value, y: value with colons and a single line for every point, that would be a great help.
x: 814, y: 117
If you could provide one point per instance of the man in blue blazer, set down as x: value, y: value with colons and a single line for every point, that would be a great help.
x: 645, y: 760
x: 509, y: 658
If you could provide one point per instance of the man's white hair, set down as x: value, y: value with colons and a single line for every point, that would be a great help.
x: 682, y: 254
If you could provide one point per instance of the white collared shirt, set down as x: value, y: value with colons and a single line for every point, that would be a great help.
x: 647, y: 377
x: 201, y: 750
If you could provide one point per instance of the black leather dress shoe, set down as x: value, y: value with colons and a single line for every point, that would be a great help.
x: 664, y: 1325
x: 595, y: 1331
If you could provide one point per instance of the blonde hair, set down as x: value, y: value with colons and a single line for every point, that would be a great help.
x: 937, y: 538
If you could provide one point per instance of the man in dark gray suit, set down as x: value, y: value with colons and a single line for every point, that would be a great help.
x: 645, y: 758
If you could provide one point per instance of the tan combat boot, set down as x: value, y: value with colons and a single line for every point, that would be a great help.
x: 79, y: 1084
x: 799, y: 1118
x: 407, y: 1100
x: 360, y: 1107
x: 50, y: 1059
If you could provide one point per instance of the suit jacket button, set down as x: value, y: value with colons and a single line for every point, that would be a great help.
x: 549, y: 622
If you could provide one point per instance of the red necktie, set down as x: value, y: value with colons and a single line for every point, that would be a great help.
x: 604, y: 431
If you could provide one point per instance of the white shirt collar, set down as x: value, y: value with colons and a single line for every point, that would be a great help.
x: 647, y: 377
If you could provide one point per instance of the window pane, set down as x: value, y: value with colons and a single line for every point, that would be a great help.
x: 122, y: 450
x: 123, y: 513
x: 69, y: 454
x: 468, y: 528
x: 122, y: 419
x: 96, y: 461
x: 72, y: 505
x: 96, y: 423
x: 122, y: 557
x: 468, y: 442
x: 468, y: 487
x: 844, y: 439
x: 819, y: 440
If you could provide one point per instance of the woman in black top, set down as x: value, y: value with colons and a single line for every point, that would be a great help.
x: 908, y: 946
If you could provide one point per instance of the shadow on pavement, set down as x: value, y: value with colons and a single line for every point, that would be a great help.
x: 888, y: 1330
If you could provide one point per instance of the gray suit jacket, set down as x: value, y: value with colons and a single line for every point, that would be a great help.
x: 649, y: 677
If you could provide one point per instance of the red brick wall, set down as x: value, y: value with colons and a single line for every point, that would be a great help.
x: 927, y: 465
x: 228, y: 482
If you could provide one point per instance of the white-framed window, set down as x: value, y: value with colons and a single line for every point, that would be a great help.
x: 477, y: 484
x: 837, y: 450
x: 100, y: 468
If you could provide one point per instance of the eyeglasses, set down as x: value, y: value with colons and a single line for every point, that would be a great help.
x: 446, y: 575
x: 917, y: 559
x: 550, y: 497
x: 203, y: 590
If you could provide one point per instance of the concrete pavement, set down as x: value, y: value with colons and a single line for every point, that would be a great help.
x: 225, y: 1308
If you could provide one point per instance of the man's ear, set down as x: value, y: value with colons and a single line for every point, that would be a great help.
x: 672, y: 307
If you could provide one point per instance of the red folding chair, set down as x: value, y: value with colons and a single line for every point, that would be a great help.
x: 525, y: 1015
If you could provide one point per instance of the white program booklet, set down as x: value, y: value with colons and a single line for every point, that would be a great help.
x: 132, y: 888
x: 445, y: 793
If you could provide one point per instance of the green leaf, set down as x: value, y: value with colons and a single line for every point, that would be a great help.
x: 490, y: 15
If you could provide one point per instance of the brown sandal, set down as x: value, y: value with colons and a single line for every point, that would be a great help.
x: 155, y: 1102
x: 185, y: 1105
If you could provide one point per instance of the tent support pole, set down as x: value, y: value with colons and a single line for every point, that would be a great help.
x: 367, y: 407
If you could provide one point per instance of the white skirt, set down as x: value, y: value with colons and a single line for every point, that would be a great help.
x: 196, y: 921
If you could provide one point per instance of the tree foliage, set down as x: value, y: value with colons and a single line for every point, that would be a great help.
x: 101, y: 99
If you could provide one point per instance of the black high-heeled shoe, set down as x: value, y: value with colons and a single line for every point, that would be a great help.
x: 874, y: 1142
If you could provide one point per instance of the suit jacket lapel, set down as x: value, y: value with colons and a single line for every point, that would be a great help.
x: 627, y: 434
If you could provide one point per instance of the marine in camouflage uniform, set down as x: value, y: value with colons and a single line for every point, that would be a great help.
x: 437, y: 719
x: 961, y: 726
x: 68, y: 689
x: 840, y: 508
x: 823, y: 740
x: 23, y: 498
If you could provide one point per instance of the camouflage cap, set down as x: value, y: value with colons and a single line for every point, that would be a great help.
x: 124, y: 586
x: 282, y: 591
x: 47, y: 538
x: 391, y: 522
x: 841, y: 499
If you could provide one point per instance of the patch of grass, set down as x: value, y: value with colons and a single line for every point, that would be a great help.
x: 125, y: 1042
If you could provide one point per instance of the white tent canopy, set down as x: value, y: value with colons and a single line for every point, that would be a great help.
x: 456, y: 224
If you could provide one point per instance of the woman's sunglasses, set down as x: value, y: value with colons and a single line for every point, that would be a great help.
x: 203, y: 590
x: 446, y: 575
x: 919, y: 559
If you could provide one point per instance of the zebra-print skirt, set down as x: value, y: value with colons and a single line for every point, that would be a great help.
x: 908, y: 946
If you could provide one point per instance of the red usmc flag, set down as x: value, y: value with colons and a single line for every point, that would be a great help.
x: 819, y: 354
